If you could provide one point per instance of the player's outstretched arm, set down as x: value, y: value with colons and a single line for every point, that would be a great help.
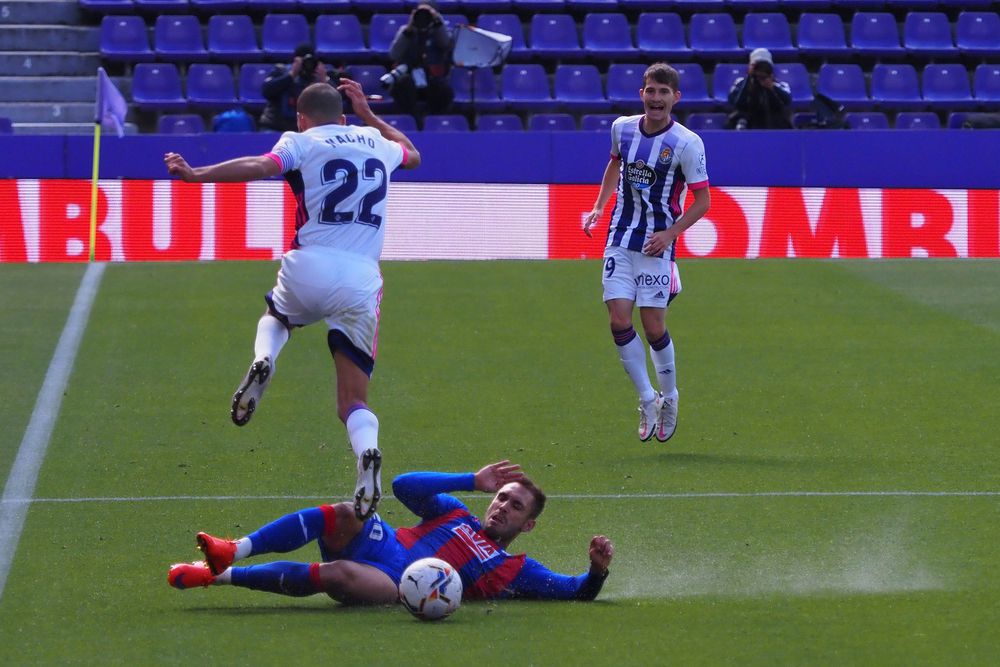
x: 495, y: 476
x: 359, y: 103
x: 608, y: 185
x: 239, y: 170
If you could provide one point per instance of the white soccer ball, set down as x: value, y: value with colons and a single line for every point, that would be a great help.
x: 430, y: 588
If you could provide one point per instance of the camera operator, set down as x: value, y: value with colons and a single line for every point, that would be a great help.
x: 761, y: 102
x: 421, y: 53
x: 283, y: 85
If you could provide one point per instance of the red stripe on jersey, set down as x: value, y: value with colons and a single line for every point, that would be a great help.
x: 698, y: 186
x: 409, y: 536
x: 314, y: 576
x: 329, y: 518
x: 455, y: 552
x: 496, y: 581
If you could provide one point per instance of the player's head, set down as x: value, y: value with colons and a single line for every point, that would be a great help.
x: 513, y: 511
x: 319, y: 104
x: 660, y: 90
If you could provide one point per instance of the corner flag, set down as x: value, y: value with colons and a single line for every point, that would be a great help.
x: 109, y: 112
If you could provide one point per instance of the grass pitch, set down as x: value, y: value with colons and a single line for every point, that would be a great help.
x: 831, y: 495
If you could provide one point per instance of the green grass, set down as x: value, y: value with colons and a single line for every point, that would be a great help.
x: 795, y: 376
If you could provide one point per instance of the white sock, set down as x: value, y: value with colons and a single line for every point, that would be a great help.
x: 362, y: 430
x: 243, y: 548
x: 666, y: 373
x: 224, y: 578
x: 271, y: 337
x: 633, y: 356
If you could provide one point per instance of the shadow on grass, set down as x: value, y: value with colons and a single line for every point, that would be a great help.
x: 698, y: 458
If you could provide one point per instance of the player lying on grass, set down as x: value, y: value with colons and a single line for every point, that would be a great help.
x: 362, y: 561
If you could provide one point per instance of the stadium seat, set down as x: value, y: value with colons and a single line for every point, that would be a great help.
x: 642, y: 5
x: 382, y: 30
x: 986, y: 85
x: 403, y: 122
x: 553, y: 36
x: 324, y: 6
x: 215, y: 7
x: 157, y: 86
x: 592, y: 5
x: 754, y: 5
x: 978, y: 34
x: 339, y: 37
x: 687, y: 6
x: 578, y: 88
x: 769, y: 31
x: 844, y: 84
x: 281, y: 33
x: 502, y: 122
x: 896, y: 87
x: 273, y: 6
x: 108, y: 6
x: 822, y: 35
x: 608, y: 36
x: 956, y: 118
x: 125, y: 38
x: 484, y: 97
x: 928, y: 34
x: 232, y: 38
x: 917, y: 4
x: 211, y: 86
x: 452, y: 21
x: 507, y: 24
x: 714, y: 36
x: 723, y: 78
x: 528, y: 7
x: 867, y: 120
x: 661, y: 35
x: 158, y: 7
x: 368, y: 76
x: 863, y: 5
x: 694, y: 88
x: 874, y: 34
x: 553, y: 122
x: 624, y: 82
x: 797, y: 77
x: 706, y: 121
x: 526, y: 88
x: 597, y: 122
x: 805, y: 5
x: 917, y: 120
x: 477, y: 6
x: 6, y: 125
x: 947, y: 87
x: 446, y: 123
x: 179, y: 39
x: 189, y: 123
x: 251, y: 81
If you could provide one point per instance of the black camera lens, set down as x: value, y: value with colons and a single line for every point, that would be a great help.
x: 308, y: 64
x: 422, y: 18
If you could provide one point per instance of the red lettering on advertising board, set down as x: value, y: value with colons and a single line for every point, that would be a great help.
x: 984, y: 223
x: 231, y: 224
x: 184, y: 220
x: 64, y: 222
x: 732, y: 234
x: 12, y: 246
x: 916, y: 219
x: 288, y: 218
x: 787, y: 232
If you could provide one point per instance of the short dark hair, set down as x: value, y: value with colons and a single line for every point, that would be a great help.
x: 536, y: 493
x: 662, y: 73
x: 321, y: 102
x: 304, y: 48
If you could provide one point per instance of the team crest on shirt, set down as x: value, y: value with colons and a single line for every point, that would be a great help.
x: 666, y: 155
x: 640, y: 175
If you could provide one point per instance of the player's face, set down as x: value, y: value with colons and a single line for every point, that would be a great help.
x: 658, y: 100
x: 509, y: 514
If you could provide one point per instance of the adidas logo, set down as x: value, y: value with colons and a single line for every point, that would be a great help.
x: 659, y: 295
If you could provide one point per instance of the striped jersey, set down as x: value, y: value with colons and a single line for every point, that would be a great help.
x: 339, y: 175
x: 655, y: 171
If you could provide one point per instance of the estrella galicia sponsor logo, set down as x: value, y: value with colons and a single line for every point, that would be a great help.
x: 640, y: 175
x: 666, y: 155
x: 647, y: 280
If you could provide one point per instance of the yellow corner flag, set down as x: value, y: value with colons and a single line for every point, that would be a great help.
x: 110, y: 113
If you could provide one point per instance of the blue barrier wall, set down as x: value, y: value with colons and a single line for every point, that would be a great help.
x: 844, y: 158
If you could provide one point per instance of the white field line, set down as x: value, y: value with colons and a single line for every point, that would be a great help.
x: 23, y: 475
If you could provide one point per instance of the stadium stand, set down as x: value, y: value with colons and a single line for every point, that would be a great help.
x: 557, y: 122
x: 180, y: 124
x: 179, y: 39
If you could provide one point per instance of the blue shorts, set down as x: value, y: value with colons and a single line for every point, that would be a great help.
x: 375, y: 545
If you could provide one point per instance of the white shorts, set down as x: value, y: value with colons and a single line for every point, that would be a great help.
x: 343, y: 289
x: 649, y: 282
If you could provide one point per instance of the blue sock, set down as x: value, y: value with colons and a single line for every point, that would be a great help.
x: 282, y: 577
x: 289, y: 532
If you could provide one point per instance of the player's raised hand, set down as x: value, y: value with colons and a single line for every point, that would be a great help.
x: 493, y: 477
x: 601, y: 552
x: 178, y: 166
x: 356, y: 94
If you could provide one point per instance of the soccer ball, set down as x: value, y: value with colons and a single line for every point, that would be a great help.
x: 430, y: 588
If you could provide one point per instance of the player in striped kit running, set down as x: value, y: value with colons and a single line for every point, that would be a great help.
x: 654, y: 161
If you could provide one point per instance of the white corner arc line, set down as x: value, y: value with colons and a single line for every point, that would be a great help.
x: 23, y: 475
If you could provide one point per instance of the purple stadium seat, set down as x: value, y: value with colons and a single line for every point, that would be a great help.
x: 446, y: 123
x: 661, y: 35
x: 212, y: 7
x: 553, y: 122
x: 797, y: 77
x: 252, y: 77
x: 507, y: 24
x: 281, y: 33
x: 608, y: 35
x: 917, y: 120
x: 477, y: 6
x: 578, y: 88
x: 769, y: 31
x: 844, y: 84
x: 597, y: 122
x: 805, y: 5
x: 382, y: 30
x: 442, y: 5
x: 714, y: 36
x: 986, y: 84
x: 928, y: 34
x: 485, y: 96
x: 500, y: 122
x: 978, y: 34
x: 6, y: 126
x: 642, y: 5
x: 339, y: 38
x: 553, y: 36
x: 592, y: 5
x: 896, y: 87
x: 526, y: 88
x: 125, y: 38
x: 687, y: 6
x: 325, y: 6
x: 178, y: 38
x: 956, y: 118
x: 923, y: 5
x: 947, y: 86
x: 723, y: 78
x: 822, y: 35
x: 694, y: 88
x: 875, y: 34
x: 527, y: 7
x: 403, y: 122
x: 624, y: 81
x: 754, y: 5
x: 211, y: 86
x: 108, y: 6
x: 158, y: 7
x: 706, y: 121
x: 189, y: 123
x: 274, y: 6
x: 863, y: 5
x: 378, y: 5
x: 232, y: 38
x: 867, y: 120
x: 157, y: 86
x: 368, y: 76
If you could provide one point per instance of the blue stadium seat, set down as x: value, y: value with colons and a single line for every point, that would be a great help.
x: 875, y: 34
x: 947, y: 87
x: 592, y: 5
x: 158, y: 7
x: 251, y: 81
x: 805, y: 5
x: 687, y: 6
x: 553, y: 36
x: 597, y: 122
x: 723, y: 78
x: 918, y: 4
x: 822, y: 35
x: 917, y: 120
x: 896, y: 87
x: 486, y: 94
x: 956, y: 118
x: 6, y: 126
x: 706, y: 121
x: 608, y: 36
x: 978, y: 34
x: 179, y: 39
x: 446, y: 123
x: 986, y: 84
x: 507, y: 24
x: 867, y: 120
x: 553, y: 122
x: 211, y: 86
x: 273, y: 6
x: 714, y: 36
x: 694, y: 88
x: 769, y: 31
x: 526, y: 88
x: 232, y: 38
x: 643, y: 5
x: 368, y: 76
x: 367, y: 6
x: 157, y: 86
x: 108, y: 6
x: 477, y: 6
x: 281, y: 33
x: 500, y: 122
x: 863, y: 5
x: 325, y: 6
x: 928, y: 34
x: 215, y: 7
x: 188, y: 123
x: 125, y: 38
x: 754, y: 5
x: 452, y: 21
x: 382, y: 29
x: 624, y: 83
x: 403, y: 122
x: 797, y: 77
x: 844, y: 84
x: 528, y: 7
x: 339, y: 37
x: 442, y: 5
x: 578, y: 88
x: 661, y: 35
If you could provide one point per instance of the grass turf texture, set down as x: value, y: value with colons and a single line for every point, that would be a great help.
x: 794, y: 375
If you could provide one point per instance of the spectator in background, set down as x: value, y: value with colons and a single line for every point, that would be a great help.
x: 761, y: 102
x: 283, y: 86
x: 982, y: 121
x: 421, y: 53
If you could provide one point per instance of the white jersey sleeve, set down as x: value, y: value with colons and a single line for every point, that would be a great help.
x: 693, y: 162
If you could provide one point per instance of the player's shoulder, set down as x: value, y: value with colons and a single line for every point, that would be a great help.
x: 622, y: 121
x: 684, y: 134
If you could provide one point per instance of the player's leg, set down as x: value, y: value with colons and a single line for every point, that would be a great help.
x: 357, y: 583
x: 664, y: 285
x: 362, y: 425
x: 272, y: 334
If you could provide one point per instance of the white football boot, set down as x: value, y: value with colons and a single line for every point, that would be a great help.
x: 649, y: 415
x: 247, y: 396
x: 369, y: 489
x: 667, y: 422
